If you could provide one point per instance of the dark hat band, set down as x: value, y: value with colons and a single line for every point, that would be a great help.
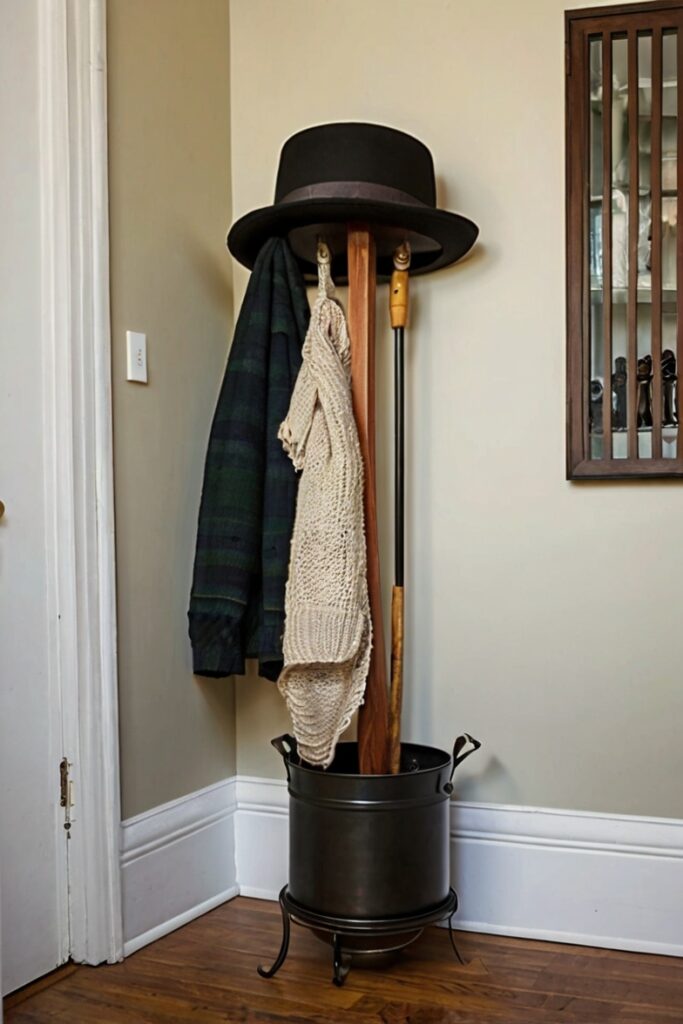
x: 350, y: 190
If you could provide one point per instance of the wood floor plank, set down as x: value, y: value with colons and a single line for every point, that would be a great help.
x: 32, y: 989
x: 217, y: 983
x: 664, y: 969
x: 205, y: 973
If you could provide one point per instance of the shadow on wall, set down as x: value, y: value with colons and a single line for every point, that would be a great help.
x: 494, y: 776
x: 210, y: 271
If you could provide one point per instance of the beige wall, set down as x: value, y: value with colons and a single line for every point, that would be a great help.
x: 543, y: 616
x: 170, y: 277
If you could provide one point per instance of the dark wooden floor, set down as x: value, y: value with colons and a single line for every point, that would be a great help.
x: 206, y: 972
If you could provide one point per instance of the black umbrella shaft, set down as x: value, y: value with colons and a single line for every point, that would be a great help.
x: 399, y: 455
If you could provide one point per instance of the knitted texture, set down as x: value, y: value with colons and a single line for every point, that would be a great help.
x: 328, y: 629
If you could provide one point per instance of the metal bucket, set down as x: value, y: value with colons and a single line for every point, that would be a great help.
x: 371, y: 846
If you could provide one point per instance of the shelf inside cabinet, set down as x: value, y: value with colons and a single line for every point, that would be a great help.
x: 666, y: 193
x: 644, y: 296
x: 669, y: 433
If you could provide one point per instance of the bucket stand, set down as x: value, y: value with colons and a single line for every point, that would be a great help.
x: 393, y: 933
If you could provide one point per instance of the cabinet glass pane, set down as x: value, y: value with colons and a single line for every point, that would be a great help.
x: 633, y: 310
x: 620, y: 186
x: 669, y: 245
x: 609, y: 245
x: 596, y: 403
x: 644, y: 333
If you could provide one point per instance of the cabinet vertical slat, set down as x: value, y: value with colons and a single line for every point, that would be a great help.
x: 581, y: 168
x: 656, y: 178
x: 578, y: 181
x: 679, y: 232
x: 607, y: 243
x: 633, y: 215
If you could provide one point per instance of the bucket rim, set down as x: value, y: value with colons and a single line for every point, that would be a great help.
x: 325, y: 772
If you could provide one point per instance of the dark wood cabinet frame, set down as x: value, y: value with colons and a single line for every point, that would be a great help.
x: 625, y: 21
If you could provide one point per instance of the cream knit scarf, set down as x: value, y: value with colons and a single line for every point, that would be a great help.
x: 328, y: 629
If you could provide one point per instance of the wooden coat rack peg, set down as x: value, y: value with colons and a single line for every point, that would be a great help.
x: 373, y: 716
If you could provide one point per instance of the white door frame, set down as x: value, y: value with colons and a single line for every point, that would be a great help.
x: 79, y: 489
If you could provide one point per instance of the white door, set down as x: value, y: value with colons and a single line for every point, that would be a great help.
x: 33, y: 844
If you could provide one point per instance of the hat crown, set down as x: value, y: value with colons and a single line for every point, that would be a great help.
x: 352, y: 152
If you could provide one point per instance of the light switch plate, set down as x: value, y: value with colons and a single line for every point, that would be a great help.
x: 136, y: 349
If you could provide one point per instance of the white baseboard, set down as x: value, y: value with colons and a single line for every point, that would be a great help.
x: 568, y: 876
x: 262, y: 838
x: 592, y: 879
x: 177, y: 862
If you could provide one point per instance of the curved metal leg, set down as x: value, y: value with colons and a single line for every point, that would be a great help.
x: 341, y: 963
x: 284, y: 948
x: 450, y: 936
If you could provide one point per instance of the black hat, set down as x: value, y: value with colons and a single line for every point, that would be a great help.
x: 369, y: 174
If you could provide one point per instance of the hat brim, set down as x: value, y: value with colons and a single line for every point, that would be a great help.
x: 438, y: 238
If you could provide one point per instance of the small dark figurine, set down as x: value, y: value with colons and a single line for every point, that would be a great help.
x: 619, y: 377
x: 670, y: 410
x: 596, y: 407
x: 644, y: 404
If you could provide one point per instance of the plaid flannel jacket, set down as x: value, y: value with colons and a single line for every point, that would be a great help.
x: 249, y: 495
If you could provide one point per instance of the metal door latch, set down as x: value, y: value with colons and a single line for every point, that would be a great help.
x: 65, y: 793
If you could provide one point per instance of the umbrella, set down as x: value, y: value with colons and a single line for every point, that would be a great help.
x: 398, y: 309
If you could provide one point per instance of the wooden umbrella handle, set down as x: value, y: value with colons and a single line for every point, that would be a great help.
x: 398, y: 298
x: 373, y: 716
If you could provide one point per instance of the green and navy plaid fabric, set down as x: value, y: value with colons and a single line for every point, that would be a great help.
x: 249, y: 495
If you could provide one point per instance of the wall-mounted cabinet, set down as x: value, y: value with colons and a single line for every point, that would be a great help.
x: 624, y: 249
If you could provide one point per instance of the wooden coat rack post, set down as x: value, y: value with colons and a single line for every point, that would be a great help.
x: 373, y: 717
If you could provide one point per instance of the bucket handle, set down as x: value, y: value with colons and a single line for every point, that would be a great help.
x: 459, y: 755
x: 286, y: 748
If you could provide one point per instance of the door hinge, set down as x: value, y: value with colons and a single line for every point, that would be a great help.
x: 567, y: 59
x: 66, y: 793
